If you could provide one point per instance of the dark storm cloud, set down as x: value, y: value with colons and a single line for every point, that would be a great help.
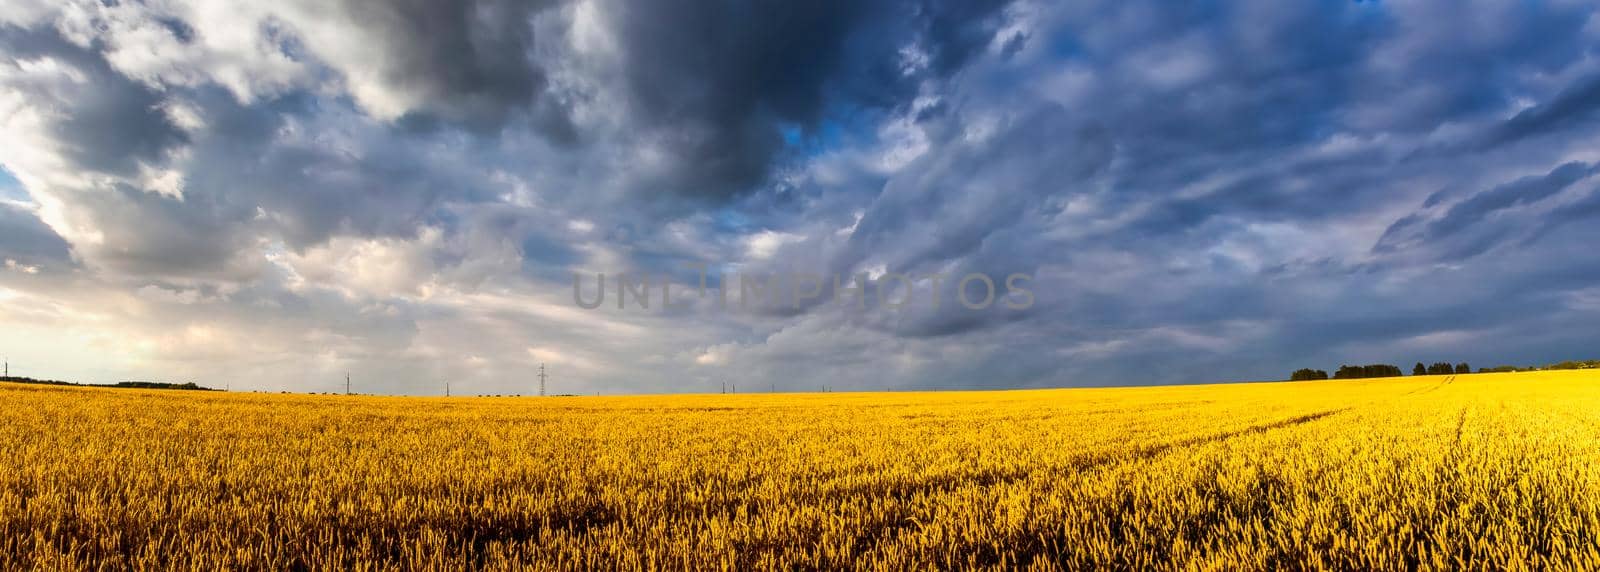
x: 471, y: 62
x: 717, y: 84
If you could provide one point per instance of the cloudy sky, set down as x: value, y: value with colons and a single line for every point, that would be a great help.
x: 269, y: 194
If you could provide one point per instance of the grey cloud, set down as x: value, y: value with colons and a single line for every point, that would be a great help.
x: 965, y: 192
x: 337, y: 177
x: 1470, y: 212
x: 1570, y: 108
x: 1468, y: 64
x: 1586, y: 208
x: 146, y: 234
x: 114, y: 124
x: 472, y: 63
x: 27, y: 240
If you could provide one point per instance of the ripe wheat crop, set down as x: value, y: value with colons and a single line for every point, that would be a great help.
x: 1492, y: 471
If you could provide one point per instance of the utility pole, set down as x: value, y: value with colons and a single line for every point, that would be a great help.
x: 347, y: 383
x: 8, y: 368
x: 541, y: 380
x: 447, y: 388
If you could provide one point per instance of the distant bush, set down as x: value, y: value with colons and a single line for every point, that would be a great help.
x: 1367, y: 371
x: 1308, y: 375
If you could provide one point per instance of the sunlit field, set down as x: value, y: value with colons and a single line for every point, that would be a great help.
x: 1496, y: 471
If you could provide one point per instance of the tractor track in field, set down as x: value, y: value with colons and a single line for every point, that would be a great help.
x: 1082, y: 466
x: 1430, y: 387
x: 1157, y: 450
x: 1092, y: 462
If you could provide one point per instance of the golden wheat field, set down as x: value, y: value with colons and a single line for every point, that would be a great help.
x: 1491, y: 471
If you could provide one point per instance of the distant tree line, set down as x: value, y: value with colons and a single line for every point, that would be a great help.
x: 15, y: 379
x: 121, y: 384
x: 159, y: 385
x: 1585, y: 364
x: 1378, y: 370
x: 1437, y: 368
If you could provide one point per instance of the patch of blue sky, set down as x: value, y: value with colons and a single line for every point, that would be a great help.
x: 10, y: 188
